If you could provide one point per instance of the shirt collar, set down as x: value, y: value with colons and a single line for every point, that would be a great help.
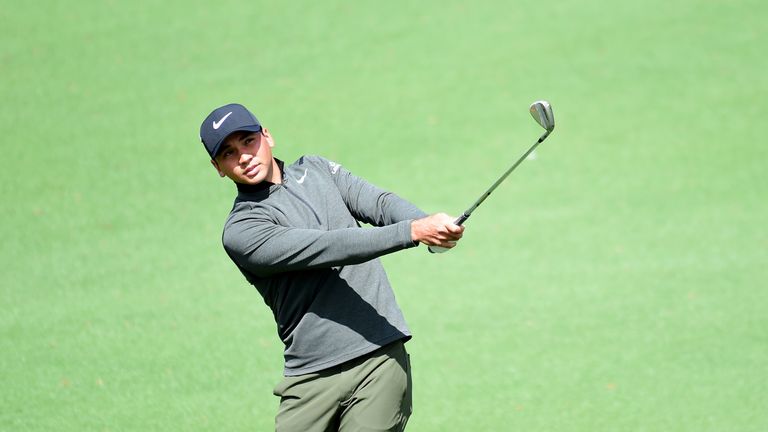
x: 246, y: 189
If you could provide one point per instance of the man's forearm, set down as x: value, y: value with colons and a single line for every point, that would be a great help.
x: 269, y: 249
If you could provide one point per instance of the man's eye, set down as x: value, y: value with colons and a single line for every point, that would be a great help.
x: 228, y: 153
x: 248, y: 141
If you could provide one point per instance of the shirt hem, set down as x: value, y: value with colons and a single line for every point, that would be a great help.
x: 351, y: 356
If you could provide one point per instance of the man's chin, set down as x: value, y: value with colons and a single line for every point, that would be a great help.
x: 247, y: 181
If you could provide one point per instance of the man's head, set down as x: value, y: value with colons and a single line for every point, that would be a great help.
x: 239, y: 147
x: 224, y: 121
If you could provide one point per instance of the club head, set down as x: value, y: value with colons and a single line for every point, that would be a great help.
x: 541, y: 111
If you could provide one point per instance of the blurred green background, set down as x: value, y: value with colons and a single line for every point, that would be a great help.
x: 615, y: 282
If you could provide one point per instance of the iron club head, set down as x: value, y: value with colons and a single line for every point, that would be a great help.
x: 541, y: 111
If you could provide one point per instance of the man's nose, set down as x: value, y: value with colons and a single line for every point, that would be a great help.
x: 245, y: 158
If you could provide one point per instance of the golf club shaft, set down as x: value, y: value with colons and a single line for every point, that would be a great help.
x: 460, y: 220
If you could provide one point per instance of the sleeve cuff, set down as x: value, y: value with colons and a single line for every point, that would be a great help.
x: 405, y: 232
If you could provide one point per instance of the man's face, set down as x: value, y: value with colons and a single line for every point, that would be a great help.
x: 246, y: 157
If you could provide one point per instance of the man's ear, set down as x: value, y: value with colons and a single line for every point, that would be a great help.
x: 215, y: 165
x: 268, y: 136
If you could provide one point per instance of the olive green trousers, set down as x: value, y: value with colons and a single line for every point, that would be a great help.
x: 370, y: 393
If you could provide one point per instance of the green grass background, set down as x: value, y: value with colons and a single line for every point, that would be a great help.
x: 616, y: 282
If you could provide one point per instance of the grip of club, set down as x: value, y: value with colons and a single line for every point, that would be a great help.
x: 437, y: 249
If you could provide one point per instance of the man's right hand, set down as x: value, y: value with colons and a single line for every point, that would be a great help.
x: 436, y: 230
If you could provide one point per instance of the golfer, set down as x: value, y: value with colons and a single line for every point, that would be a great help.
x: 294, y: 232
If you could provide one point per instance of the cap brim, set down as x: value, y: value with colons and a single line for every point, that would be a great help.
x: 254, y: 128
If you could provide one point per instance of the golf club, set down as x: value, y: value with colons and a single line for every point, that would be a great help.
x: 541, y: 111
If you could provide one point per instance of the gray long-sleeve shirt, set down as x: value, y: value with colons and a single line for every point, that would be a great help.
x: 301, y: 245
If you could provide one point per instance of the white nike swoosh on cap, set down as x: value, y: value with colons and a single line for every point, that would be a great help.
x: 217, y: 124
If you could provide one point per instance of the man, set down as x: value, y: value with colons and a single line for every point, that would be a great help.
x: 294, y: 232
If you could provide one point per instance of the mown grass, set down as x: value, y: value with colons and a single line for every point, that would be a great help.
x: 615, y: 282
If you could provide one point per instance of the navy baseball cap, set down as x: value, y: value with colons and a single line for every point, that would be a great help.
x: 223, y: 122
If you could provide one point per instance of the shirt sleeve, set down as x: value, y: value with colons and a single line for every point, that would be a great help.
x: 263, y: 247
x: 369, y: 203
